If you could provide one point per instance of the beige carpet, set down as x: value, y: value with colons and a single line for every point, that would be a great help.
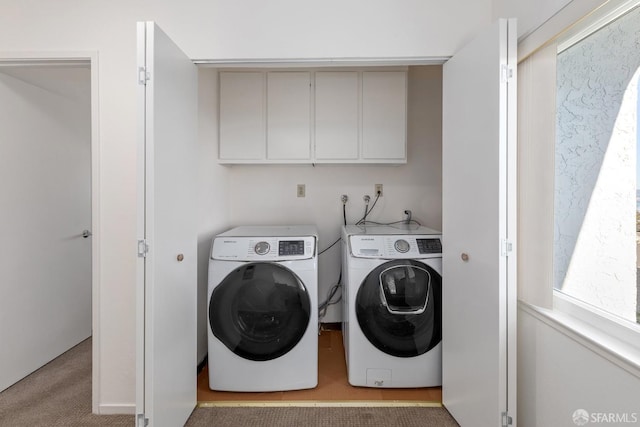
x: 59, y: 394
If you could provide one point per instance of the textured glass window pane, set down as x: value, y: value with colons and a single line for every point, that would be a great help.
x: 595, y: 243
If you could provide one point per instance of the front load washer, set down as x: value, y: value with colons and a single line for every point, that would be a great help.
x: 263, y: 299
x: 392, y: 305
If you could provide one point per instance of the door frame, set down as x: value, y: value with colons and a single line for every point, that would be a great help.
x: 65, y: 59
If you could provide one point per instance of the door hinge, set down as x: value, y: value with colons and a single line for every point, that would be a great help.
x: 506, y: 247
x: 506, y: 419
x: 506, y: 73
x: 142, y: 421
x: 143, y: 248
x: 143, y: 75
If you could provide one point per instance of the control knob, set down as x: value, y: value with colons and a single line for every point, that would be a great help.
x: 262, y: 248
x: 401, y: 245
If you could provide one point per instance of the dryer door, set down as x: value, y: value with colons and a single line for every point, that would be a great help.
x: 399, y: 308
x: 260, y: 311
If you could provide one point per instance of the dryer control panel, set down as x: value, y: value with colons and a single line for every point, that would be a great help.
x: 263, y: 248
x: 395, y: 246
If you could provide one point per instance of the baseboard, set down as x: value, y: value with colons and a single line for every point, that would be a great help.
x: 117, y: 409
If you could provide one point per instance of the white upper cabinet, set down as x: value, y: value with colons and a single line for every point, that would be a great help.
x: 313, y: 116
x: 384, y: 115
x: 337, y: 115
x: 242, y: 118
x: 288, y: 115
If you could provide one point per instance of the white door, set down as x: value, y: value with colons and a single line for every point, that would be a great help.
x: 479, y: 299
x: 45, y: 204
x: 167, y: 172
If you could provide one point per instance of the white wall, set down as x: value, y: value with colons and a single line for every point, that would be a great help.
x: 45, y: 194
x: 328, y: 29
x: 266, y: 194
x: 557, y: 376
x: 536, y: 172
x: 213, y: 193
x: 220, y: 29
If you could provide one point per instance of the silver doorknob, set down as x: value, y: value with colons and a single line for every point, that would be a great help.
x: 86, y: 233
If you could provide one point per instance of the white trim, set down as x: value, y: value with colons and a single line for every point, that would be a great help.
x: 511, y: 218
x: 318, y: 62
x: 47, y: 58
x: 116, y: 409
x: 617, y: 351
x: 75, y: 59
x: 555, y: 26
x: 593, y: 22
x: 320, y: 404
x: 617, y: 327
x: 97, y: 234
x: 48, y: 63
x: 139, y: 407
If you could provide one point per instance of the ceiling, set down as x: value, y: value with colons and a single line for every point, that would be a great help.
x: 70, y: 81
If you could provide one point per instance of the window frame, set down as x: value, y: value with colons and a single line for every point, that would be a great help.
x: 616, y: 327
x: 613, y: 337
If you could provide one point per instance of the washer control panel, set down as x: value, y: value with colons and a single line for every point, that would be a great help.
x: 395, y: 247
x: 264, y: 248
x: 429, y: 246
x: 290, y: 247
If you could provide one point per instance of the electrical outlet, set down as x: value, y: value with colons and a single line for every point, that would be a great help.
x: 301, y: 190
x: 378, y: 190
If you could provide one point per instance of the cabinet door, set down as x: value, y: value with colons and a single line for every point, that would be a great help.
x: 288, y: 115
x: 241, y: 126
x: 384, y: 115
x: 336, y: 115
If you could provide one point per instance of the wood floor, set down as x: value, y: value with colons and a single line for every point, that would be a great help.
x: 333, y: 388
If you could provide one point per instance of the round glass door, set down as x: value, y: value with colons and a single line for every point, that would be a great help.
x: 260, y: 311
x: 399, y: 308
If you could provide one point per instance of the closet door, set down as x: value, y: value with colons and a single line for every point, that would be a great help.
x: 479, y: 259
x: 167, y: 245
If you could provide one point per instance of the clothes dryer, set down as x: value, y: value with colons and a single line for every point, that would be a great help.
x: 392, y: 302
x: 263, y: 299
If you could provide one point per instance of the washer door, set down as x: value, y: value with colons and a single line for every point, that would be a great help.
x: 399, y: 308
x: 260, y: 311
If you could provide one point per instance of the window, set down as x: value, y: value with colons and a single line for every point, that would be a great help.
x: 597, y: 169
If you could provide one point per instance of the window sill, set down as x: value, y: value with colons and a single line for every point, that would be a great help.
x: 617, y: 351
